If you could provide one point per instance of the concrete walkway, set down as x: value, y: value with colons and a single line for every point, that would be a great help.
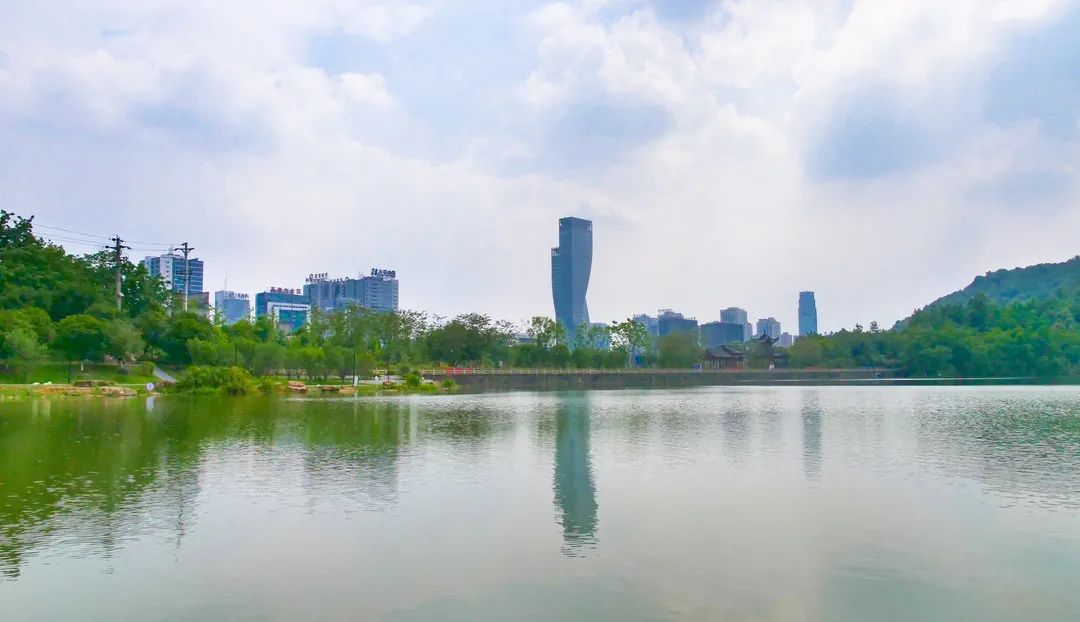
x: 163, y: 376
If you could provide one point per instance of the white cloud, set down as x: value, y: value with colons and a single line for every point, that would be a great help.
x: 207, y: 122
x: 366, y: 88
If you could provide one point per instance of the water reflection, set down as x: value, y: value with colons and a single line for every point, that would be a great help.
x: 444, y: 504
x: 575, y: 492
x: 811, y: 435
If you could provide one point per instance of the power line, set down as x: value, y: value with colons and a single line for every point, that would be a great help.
x: 104, y: 237
x: 82, y: 233
x: 64, y: 241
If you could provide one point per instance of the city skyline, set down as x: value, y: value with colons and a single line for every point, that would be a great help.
x: 893, y: 161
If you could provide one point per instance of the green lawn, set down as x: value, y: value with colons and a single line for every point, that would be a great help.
x: 57, y: 373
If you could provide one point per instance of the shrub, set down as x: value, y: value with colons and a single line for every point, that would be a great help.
x: 272, y: 385
x: 449, y: 384
x: 413, y: 381
x: 227, y: 380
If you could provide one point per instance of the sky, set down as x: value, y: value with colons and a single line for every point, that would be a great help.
x: 879, y: 153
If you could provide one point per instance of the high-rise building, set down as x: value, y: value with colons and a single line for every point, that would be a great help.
x: 786, y: 340
x: 768, y: 326
x: 571, y: 266
x: 651, y: 324
x: 672, y: 322
x: 716, y: 334
x: 807, y: 314
x: 377, y: 291
x: 735, y: 315
x: 170, y: 267
x: 232, y: 306
x: 289, y: 308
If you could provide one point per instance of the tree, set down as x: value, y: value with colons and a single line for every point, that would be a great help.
x: 36, y: 274
x: 182, y: 328
x: 80, y: 338
x: 546, y: 332
x: 808, y: 351
x: 267, y: 357
x: 313, y: 361
x: 631, y: 337
x: 679, y: 350
x: 21, y: 349
x: 123, y: 340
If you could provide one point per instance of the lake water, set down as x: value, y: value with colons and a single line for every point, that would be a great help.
x: 877, y: 503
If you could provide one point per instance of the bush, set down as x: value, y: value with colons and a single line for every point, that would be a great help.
x: 227, y: 380
x: 449, y: 384
x: 413, y: 381
x: 272, y: 385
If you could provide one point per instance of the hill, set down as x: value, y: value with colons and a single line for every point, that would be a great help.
x: 1019, y: 284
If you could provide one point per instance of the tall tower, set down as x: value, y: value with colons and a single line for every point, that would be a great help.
x: 807, y: 314
x: 571, y: 265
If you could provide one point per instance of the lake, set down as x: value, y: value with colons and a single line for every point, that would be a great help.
x: 782, y: 503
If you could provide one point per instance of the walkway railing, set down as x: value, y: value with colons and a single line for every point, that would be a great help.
x: 554, y: 371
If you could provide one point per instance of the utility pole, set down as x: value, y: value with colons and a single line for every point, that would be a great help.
x: 187, y: 273
x: 118, y: 257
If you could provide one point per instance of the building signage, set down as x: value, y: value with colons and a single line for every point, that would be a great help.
x: 386, y: 274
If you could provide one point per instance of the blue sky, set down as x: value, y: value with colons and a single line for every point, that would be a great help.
x: 730, y: 153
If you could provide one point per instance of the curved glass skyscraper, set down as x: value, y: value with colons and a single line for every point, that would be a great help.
x: 571, y: 265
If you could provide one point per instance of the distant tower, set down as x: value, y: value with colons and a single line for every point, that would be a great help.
x: 571, y: 265
x: 807, y: 314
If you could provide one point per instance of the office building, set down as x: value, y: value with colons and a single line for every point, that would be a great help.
x: 232, y: 306
x: 651, y: 324
x: 671, y: 322
x: 170, y: 267
x: 735, y: 315
x: 377, y: 291
x: 768, y: 326
x: 786, y: 340
x: 807, y: 314
x: 289, y: 308
x: 571, y: 266
x: 716, y: 334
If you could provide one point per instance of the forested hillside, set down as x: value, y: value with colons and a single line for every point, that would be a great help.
x: 1019, y: 284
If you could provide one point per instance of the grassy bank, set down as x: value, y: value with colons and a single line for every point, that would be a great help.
x: 57, y: 373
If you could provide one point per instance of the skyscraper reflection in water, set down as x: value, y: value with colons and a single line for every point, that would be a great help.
x: 811, y: 435
x: 575, y: 492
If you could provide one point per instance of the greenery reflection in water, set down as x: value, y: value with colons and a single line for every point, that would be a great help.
x: 819, y: 504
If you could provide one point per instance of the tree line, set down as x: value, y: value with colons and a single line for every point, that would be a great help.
x: 979, y: 338
x: 58, y: 305
x: 61, y: 306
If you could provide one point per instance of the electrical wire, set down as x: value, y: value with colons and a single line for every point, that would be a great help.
x: 168, y: 245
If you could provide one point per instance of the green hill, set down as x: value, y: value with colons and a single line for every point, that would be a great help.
x: 1019, y: 284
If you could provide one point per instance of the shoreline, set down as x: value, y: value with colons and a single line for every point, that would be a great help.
x: 21, y: 392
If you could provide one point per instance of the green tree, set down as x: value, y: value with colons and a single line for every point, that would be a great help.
x: 183, y: 327
x: 80, y: 338
x: 630, y: 337
x: 123, y: 340
x: 21, y: 350
x: 679, y: 350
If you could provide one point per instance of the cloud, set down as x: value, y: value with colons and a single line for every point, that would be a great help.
x: 729, y: 152
x: 366, y: 89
